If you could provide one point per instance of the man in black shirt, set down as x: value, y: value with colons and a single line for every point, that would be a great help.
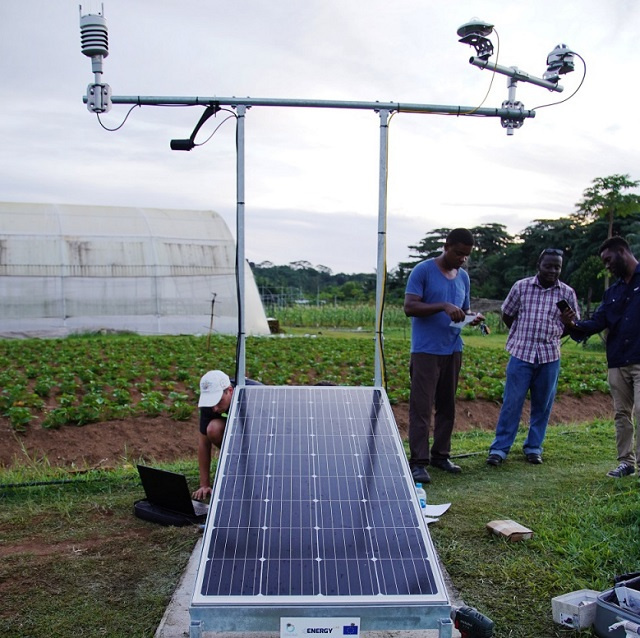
x: 216, y: 392
x: 619, y: 312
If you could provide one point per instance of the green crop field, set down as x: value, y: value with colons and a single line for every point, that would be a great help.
x: 99, y: 378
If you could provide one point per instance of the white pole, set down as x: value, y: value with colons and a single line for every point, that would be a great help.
x: 240, y: 236
x: 381, y: 272
x: 468, y: 111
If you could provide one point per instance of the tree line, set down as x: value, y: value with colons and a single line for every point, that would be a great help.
x: 497, y: 261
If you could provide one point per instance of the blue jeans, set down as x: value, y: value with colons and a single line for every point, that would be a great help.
x: 542, y: 380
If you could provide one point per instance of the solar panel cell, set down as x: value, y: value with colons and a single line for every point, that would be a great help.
x: 313, y: 500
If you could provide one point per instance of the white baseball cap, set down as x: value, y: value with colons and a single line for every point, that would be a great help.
x: 212, y: 387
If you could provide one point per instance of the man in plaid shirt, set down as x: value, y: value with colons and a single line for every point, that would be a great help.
x: 531, y: 313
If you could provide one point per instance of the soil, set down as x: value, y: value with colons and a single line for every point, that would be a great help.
x: 160, y: 439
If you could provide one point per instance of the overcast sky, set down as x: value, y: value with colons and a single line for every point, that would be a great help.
x: 312, y: 175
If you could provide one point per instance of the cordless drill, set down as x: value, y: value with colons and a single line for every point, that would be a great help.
x: 471, y: 623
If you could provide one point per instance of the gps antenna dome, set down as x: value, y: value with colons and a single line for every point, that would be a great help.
x: 474, y: 33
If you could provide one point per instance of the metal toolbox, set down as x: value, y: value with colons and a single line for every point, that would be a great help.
x: 609, y: 611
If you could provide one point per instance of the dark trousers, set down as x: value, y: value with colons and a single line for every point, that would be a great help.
x: 434, y: 381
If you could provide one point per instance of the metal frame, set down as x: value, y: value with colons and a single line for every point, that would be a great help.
x: 430, y: 611
x: 380, y: 617
x: 99, y: 99
x: 242, y: 614
x: 384, y: 109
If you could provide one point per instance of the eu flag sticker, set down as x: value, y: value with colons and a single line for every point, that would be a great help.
x: 350, y: 630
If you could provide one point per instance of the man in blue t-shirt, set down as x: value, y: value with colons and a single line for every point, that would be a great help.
x: 437, y: 298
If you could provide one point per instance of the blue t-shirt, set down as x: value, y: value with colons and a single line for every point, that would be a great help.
x: 434, y: 334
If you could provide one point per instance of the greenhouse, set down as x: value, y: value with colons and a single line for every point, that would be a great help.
x: 68, y: 269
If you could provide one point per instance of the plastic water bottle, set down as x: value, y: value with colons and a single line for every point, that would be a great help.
x: 422, y: 495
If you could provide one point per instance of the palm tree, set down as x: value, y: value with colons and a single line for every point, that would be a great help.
x: 605, y: 199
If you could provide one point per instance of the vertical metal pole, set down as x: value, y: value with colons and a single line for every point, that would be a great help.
x: 381, y: 272
x: 240, y: 236
x: 512, y: 85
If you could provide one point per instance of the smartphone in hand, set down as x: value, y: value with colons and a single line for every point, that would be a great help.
x: 563, y: 305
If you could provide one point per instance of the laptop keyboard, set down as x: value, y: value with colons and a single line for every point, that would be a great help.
x: 200, y: 508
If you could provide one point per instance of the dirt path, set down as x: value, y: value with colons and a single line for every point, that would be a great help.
x: 161, y: 439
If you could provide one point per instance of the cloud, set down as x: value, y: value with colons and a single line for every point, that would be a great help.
x: 312, y: 175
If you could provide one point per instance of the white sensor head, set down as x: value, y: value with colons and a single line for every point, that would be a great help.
x: 94, y: 37
x: 476, y: 26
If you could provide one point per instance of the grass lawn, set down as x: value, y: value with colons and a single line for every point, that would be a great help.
x: 586, y: 526
x: 75, y: 561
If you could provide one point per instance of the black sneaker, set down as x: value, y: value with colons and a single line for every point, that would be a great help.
x: 624, y: 469
x: 446, y: 465
x: 420, y: 474
x: 494, y: 459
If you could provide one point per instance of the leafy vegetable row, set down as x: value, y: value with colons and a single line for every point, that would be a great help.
x: 100, y: 378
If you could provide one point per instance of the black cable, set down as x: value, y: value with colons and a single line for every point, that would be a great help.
x: 383, y: 292
x: 138, y: 104
x: 117, y: 128
x: 101, y: 479
x: 217, y: 127
x: 237, y: 261
x: 584, y: 75
x: 42, y: 483
x: 60, y: 482
x: 106, y: 128
x: 385, y: 379
x: 237, y: 264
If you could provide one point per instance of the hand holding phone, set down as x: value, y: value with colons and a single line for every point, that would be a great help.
x: 563, y: 305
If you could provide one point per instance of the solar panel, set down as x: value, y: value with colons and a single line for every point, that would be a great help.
x: 313, y: 510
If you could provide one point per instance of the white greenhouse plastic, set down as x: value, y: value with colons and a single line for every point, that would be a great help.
x: 67, y: 269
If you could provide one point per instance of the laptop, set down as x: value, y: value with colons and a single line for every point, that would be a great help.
x: 169, y: 491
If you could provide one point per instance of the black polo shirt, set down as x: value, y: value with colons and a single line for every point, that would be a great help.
x: 207, y: 414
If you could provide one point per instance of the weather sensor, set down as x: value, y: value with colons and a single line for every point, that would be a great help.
x: 559, y: 62
x: 474, y: 33
x: 94, y: 40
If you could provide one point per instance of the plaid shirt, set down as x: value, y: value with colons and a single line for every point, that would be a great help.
x: 535, y: 333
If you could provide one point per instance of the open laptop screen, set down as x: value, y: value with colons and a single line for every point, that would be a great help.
x: 169, y: 490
